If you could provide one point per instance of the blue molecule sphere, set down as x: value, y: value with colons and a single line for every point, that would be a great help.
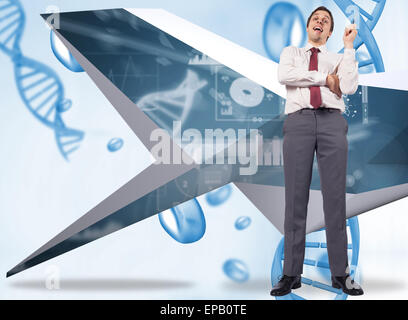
x: 115, y: 144
x: 63, y: 55
x: 284, y: 25
x: 236, y: 270
x: 218, y: 196
x: 185, y: 223
x: 242, y: 223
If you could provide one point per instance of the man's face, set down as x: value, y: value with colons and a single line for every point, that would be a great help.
x: 319, y: 27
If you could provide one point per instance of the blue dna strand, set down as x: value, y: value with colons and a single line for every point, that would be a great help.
x: 319, y: 246
x: 39, y: 86
x: 365, y: 36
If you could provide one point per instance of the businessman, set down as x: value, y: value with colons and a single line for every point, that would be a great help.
x: 315, y: 80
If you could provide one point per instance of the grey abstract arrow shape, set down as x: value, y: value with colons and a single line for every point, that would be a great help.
x: 97, y: 43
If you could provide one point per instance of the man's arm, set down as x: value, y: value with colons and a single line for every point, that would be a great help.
x: 348, y: 67
x: 289, y: 74
x: 348, y: 72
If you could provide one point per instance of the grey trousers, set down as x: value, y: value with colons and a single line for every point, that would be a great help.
x: 305, y: 132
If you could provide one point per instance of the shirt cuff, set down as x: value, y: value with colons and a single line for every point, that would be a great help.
x: 321, y: 78
x: 350, y: 54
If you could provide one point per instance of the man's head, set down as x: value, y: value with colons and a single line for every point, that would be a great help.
x: 320, y: 25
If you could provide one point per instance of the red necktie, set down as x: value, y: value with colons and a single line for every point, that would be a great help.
x: 315, y: 94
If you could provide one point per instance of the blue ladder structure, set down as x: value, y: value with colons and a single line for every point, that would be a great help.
x: 365, y: 35
x: 39, y: 86
x: 354, y: 246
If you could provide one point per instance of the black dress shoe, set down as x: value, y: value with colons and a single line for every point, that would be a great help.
x: 347, y: 285
x: 285, y: 285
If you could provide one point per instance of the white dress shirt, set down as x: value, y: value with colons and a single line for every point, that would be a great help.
x: 293, y: 71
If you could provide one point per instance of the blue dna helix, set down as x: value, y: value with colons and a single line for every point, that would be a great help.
x: 354, y: 247
x: 39, y: 86
x: 366, y: 27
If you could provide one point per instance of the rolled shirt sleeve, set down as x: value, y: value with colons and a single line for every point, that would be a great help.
x: 290, y: 75
x: 348, y: 72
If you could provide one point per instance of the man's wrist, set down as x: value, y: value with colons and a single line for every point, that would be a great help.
x: 349, y: 54
x: 320, y: 78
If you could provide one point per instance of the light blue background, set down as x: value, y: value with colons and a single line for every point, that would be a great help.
x: 40, y: 193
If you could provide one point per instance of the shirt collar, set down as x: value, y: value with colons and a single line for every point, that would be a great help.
x: 308, y: 46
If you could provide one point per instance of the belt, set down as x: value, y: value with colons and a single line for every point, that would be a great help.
x: 320, y: 109
x: 327, y: 109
